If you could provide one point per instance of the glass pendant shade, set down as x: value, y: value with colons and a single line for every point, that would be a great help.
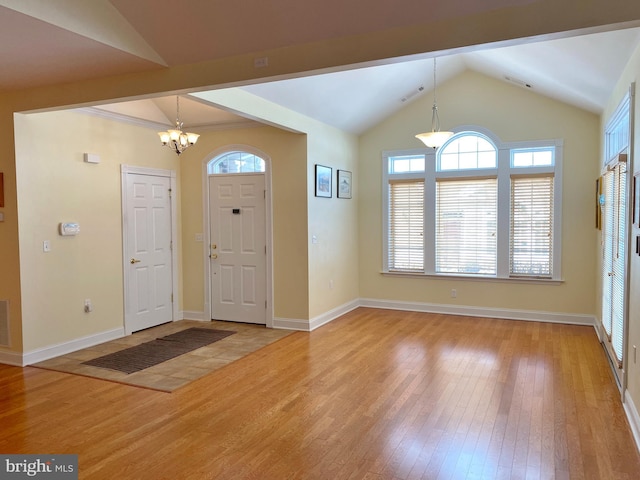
x: 434, y: 139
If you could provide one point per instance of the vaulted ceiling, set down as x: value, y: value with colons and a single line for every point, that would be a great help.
x: 43, y: 42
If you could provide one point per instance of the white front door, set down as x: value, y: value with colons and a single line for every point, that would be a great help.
x: 238, y: 247
x: 148, y: 261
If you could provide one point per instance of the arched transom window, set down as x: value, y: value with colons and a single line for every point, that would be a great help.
x: 468, y: 151
x: 236, y: 162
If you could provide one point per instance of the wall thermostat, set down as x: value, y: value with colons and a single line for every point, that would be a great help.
x: 67, y: 229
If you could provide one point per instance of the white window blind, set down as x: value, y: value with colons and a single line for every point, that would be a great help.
x: 466, y: 223
x: 617, y: 297
x: 608, y: 236
x: 531, y: 239
x: 613, y: 267
x: 406, y: 225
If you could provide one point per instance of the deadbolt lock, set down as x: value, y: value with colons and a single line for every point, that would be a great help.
x: 214, y: 246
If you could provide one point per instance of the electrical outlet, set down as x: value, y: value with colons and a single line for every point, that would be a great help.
x: 330, y: 284
x: 88, y: 307
x: 454, y: 293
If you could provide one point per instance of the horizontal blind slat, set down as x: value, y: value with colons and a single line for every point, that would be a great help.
x: 406, y: 225
x: 531, y: 238
x: 466, y: 222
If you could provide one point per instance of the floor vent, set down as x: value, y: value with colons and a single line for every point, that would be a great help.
x: 4, y: 323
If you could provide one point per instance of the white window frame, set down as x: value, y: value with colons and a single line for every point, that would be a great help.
x: 503, y: 173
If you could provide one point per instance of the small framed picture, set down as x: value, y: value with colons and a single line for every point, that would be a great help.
x: 344, y: 184
x: 323, y: 181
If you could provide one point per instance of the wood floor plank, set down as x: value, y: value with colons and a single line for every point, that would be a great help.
x: 375, y: 394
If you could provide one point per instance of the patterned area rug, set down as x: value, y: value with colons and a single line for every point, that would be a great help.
x: 160, y: 350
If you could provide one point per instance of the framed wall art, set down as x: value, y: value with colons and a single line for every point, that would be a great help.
x: 323, y: 181
x: 344, y: 184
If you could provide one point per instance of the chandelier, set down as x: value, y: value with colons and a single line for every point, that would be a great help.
x: 176, y: 139
x: 435, y: 138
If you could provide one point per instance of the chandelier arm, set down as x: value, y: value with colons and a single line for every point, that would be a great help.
x: 176, y: 139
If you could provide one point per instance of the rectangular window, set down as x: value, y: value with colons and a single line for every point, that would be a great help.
x: 406, y: 225
x: 533, y: 157
x: 531, y: 245
x: 466, y: 222
x: 406, y: 164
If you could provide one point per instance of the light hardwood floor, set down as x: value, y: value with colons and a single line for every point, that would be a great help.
x: 373, y: 395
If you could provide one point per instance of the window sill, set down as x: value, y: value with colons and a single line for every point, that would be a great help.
x: 529, y: 280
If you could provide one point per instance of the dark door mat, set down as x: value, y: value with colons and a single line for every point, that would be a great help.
x: 160, y: 350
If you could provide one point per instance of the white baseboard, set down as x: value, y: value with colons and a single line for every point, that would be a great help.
x: 551, y: 317
x: 191, y: 315
x: 633, y: 417
x: 291, y: 324
x: 318, y: 321
x: 39, y: 355
x: 327, y: 317
x: 11, y: 358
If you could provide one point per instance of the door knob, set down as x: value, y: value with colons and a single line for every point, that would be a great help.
x: 134, y: 260
x: 213, y: 256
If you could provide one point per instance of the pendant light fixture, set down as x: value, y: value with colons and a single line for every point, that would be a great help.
x: 435, y: 138
x: 176, y: 139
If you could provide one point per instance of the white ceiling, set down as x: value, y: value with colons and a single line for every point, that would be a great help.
x: 581, y: 71
x: 45, y: 42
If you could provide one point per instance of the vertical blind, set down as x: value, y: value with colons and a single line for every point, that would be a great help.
x: 531, y: 239
x: 406, y: 225
x: 466, y: 223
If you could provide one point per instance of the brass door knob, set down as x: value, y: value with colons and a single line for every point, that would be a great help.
x: 134, y: 260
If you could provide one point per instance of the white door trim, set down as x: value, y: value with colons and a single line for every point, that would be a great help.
x: 207, y: 230
x: 156, y: 172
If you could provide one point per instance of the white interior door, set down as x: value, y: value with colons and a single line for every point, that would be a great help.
x: 148, y: 258
x: 238, y: 247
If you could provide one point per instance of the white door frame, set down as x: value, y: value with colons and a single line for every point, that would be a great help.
x: 207, y: 230
x: 156, y: 172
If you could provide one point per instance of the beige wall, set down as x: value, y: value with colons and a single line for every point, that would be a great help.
x: 513, y: 114
x: 287, y: 152
x: 55, y: 185
x: 631, y: 74
x: 333, y: 260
